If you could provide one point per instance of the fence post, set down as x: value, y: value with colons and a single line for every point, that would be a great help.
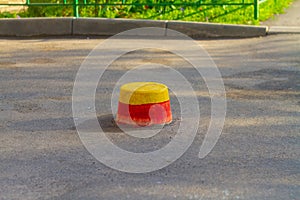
x: 75, y: 8
x: 256, y: 9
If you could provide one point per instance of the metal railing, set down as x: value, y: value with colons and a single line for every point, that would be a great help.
x: 76, y: 4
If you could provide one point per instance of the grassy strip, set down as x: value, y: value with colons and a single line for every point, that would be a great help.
x: 218, y: 14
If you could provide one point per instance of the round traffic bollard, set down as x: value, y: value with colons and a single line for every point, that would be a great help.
x: 144, y: 104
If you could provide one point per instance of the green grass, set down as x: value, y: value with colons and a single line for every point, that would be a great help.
x: 269, y: 9
x: 217, y: 14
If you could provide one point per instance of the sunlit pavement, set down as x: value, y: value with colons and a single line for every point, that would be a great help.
x: 256, y: 157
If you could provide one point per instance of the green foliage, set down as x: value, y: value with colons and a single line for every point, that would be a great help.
x: 186, y: 10
x: 8, y: 15
x: 13, y: 15
x: 49, y: 11
x: 269, y: 9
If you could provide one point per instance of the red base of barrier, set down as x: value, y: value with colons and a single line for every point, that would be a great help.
x: 145, y: 114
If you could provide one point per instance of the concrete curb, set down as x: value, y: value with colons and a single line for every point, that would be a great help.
x: 36, y: 27
x: 284, y: 30
x: 108, y: 27
x: 212, y: 30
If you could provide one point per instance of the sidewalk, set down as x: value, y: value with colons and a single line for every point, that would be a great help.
x: 290, y: 18
x: 289, y: 22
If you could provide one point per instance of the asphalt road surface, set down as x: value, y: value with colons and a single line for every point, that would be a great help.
x: 256, y: 157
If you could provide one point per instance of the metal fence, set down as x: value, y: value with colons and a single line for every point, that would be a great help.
x: 76, y: 4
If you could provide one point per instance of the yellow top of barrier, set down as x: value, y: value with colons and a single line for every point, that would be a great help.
x: 138, y: 93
